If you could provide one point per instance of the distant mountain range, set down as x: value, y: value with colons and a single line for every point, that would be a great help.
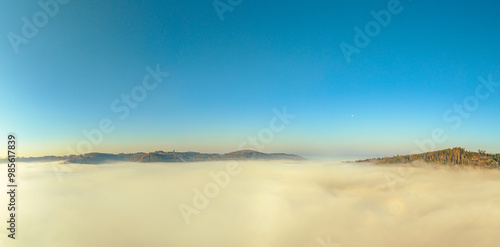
x: 161, y: 156
x: 452, y: 156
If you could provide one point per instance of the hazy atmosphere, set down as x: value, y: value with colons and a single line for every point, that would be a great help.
x: 421, y: 65
x: 234, y: 123
x: 263, y: 204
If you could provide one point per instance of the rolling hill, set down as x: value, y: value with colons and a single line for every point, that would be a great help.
x: 452, y: 156
x: 161, y: 156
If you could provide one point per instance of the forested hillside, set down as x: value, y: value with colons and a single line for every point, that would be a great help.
x: 454, y: 156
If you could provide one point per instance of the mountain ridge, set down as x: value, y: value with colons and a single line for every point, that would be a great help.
x: 452, y: 156
x: 162, y: 156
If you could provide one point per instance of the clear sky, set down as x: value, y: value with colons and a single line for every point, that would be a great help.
x: 229, y: 70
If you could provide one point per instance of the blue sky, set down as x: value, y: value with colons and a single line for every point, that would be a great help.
x: 226, y: 77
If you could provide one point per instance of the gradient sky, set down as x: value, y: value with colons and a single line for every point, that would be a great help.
x: 226, y: 77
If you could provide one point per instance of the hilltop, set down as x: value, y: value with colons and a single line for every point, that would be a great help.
x: 452, y: 156
x: 162, y: 156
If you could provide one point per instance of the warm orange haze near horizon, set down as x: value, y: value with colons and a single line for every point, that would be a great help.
x: 345, y: 123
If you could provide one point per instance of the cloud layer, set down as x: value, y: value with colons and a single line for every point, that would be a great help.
x: 265, y: 204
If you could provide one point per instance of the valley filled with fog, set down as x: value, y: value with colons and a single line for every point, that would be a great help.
x: 253, y: 203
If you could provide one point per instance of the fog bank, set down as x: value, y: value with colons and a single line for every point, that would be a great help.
x: 258, y: 203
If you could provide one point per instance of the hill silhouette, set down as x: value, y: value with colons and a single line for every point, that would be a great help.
x: 162, y: 156
x: 452, y: 156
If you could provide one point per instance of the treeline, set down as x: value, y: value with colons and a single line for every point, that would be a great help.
x: 161, y: 156
x: 453, y: 156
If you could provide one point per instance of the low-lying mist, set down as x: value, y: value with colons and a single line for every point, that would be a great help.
x: 256, y: 203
